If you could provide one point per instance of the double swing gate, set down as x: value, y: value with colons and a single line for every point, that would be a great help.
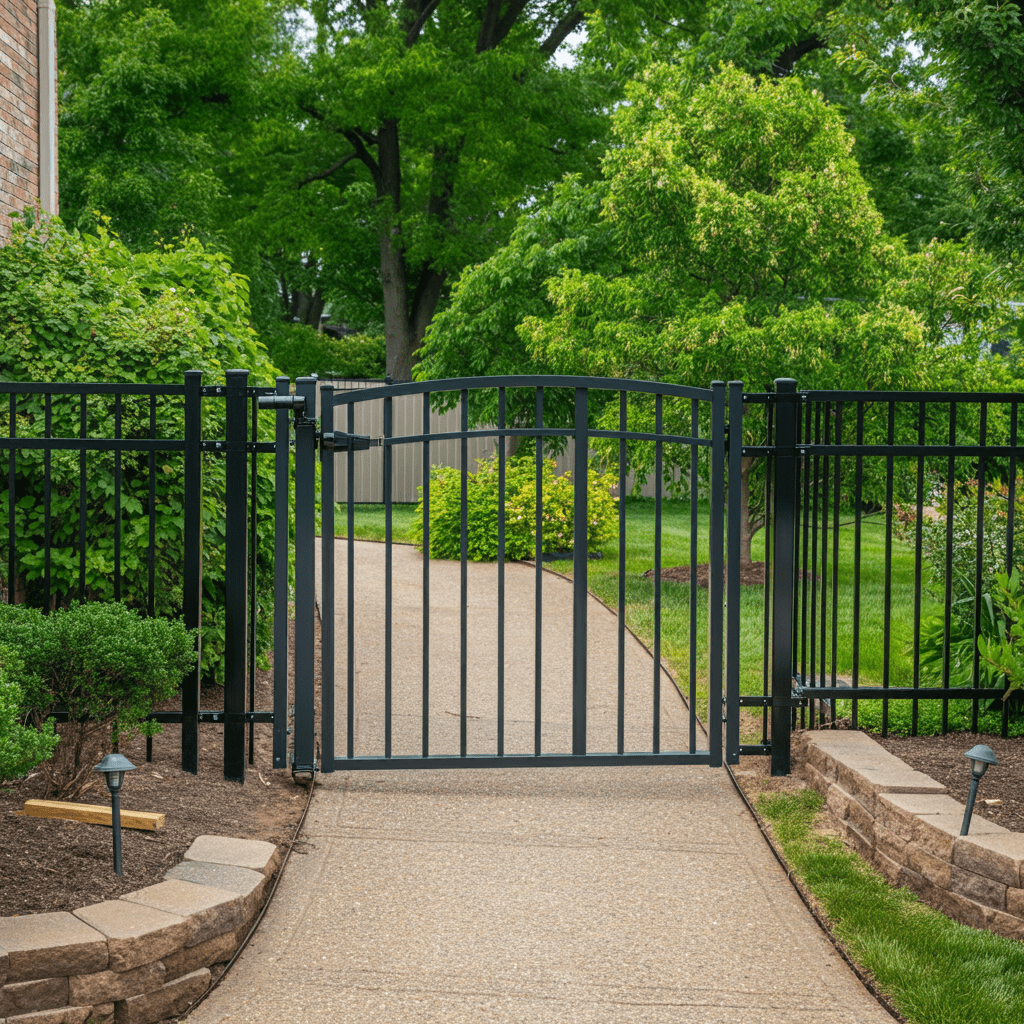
x: 450, y: 662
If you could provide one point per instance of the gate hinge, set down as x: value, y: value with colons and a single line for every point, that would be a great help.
x: 340, y: 442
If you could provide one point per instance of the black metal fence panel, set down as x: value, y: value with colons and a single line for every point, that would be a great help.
x: 106, y: 499
x: 907, y: 511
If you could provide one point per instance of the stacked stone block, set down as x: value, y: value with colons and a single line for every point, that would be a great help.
x: 140, y: 958
x: 908, y: 827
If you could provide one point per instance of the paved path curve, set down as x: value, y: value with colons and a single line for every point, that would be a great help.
x: 601, y: 895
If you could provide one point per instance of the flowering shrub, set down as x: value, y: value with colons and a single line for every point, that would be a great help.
x: 557, y: 503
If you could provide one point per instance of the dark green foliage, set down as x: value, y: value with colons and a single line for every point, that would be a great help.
x: 103, y: 663
x: 298, y: 351
x: 21, y: 746
x: 520, y: 510
x: 83, y: 308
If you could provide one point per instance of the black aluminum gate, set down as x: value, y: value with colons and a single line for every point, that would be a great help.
x: 397, y: 698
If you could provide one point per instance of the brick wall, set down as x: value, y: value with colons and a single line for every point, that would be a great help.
x: 19, y: 108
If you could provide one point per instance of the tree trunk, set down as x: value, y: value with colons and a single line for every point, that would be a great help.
x: 749, y: 523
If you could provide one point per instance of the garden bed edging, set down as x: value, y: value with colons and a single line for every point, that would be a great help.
x: 908, y: 826
x: 142, y: 957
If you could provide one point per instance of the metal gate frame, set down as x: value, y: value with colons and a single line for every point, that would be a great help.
x: 723, y: 599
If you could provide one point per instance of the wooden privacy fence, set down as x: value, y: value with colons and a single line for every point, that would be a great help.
x: 407, y: 411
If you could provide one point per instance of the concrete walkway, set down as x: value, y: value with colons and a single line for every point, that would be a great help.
x: 545, y: 894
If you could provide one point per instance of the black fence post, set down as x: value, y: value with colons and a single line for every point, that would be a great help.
x: 236, y: 573
x: 581, y: 479
x: 192, y: 576
x: 716, y: 571
x: 784, y: 546
x: 305, y: 578
x: 327, y: 546
x: 282, y: 492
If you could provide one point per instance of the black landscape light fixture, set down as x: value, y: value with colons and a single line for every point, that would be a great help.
x: 113, y: 767
x: 980, y: 757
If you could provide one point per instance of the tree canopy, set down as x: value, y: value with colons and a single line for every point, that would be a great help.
x: 737, y: 240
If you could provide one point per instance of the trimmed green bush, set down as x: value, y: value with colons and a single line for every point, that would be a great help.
x: 299, y: 350
x: 103, y: 663
x: 520, y: 510
x: 21, y: 746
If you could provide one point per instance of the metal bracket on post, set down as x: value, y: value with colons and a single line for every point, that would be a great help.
x: 339, y: 442
x: 784, y: 553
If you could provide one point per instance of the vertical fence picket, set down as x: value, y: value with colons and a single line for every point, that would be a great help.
x: 501, y: 572
x: 83, y: 502
x: 620, y: 725
x: 236, y: 573
x: 581, y: 442
x: 538, y: 570
x: 463, y: 581
x: 425, y: 728
x: 192, y: 576
x: 282, y: 491
x: 117, y: 507
x: 948, y: 604
x: 918, y: 563
x: 658, y: 456
x: 732, y: 592
x: 694, y: 490
x: 47, y: 509
x: 979, y: 547
x: 389, y: 470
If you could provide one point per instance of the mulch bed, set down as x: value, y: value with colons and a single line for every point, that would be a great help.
x: 942, y: 759
x: 751, y: 575
x: 50, y: 864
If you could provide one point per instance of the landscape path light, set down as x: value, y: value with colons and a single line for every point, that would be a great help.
x: 980, y: 757
x: 113, y: 767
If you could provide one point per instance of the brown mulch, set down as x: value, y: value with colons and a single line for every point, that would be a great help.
x: 751, y: 575
x: 51, y: 864
x: 942, y: 759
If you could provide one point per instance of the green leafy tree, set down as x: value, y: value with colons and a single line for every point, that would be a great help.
x: 747, y: 248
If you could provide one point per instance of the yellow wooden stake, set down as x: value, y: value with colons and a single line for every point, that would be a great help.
x: 95, y: 814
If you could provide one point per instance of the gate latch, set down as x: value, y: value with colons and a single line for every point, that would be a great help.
x: 339, y: 442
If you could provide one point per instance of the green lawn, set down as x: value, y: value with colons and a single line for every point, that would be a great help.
x: 933, y: 970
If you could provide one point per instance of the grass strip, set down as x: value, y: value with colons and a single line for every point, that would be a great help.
x: 932, y: 969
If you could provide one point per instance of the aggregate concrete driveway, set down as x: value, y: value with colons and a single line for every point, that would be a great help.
x: 639, y: 894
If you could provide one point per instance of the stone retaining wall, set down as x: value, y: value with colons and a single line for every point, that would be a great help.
x: 908, y: 827
x: 140, y: 958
